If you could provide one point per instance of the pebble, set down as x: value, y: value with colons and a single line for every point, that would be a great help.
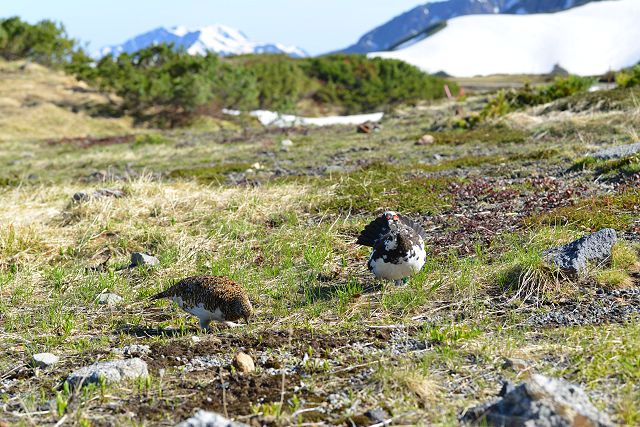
x: 133, y: 350
x: 109, y: 298
x: 209, y: 419
x: 426, y: 140
x: 139, y: 258
x: 243, y: 363
x: 515, y: 364
x: 44, y: 360
x: 286, y: 143
x: 112, y: 372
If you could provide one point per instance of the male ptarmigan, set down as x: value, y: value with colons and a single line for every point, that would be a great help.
x: 210, y: 298
x: 398, y: 246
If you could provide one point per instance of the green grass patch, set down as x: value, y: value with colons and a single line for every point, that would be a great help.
x: 382, y: 186
x: 209, y: 174
x: 483, y: 134
x: 610, y: 211
x: 625, y: 166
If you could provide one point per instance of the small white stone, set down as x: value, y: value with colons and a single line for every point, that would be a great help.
x: 195, y: 338
x: 109, y: 299
x: 139, y: 258
x: 286, y: 143
x: 44, y: 360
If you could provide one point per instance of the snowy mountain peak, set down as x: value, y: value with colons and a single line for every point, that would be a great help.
x: 221, y: 39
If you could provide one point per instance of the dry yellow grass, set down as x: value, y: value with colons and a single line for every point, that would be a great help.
x: 30, y: 93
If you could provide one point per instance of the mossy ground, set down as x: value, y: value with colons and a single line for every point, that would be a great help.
x: 283, y: 221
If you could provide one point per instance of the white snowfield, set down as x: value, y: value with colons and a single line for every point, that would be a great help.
x: 272, y: 118
x: 587, y: 40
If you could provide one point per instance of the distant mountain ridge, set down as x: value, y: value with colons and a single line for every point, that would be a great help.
x: 220, y: 39
x: 422, y: 17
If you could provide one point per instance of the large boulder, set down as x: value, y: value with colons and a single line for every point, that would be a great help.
x: 574, y: 257
x: 209, y: 419
x: 539, y: 402
x: 112, y: 372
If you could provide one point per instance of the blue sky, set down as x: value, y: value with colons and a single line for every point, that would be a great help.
x: 317, y: 26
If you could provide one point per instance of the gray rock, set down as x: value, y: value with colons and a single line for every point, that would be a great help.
x: 377, y: 415
x: 82, y: 196
x: 112, y: 372
x: 515, y: 364
x: 573, y: 257
x: 335, y: 169
x: 138, y: 258
x: 44, y: 360
x: 538, y: 402
x: 108, y: 192
x: 617, y: 152
x: 133, y: 350
x: 209, y: 419
x: 109, y: 298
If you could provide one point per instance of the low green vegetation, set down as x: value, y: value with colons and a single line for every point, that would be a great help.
x: 629, y: 77
x: 45, y: 42
x: 594, y: 213
x: 629, y: 165
x: 498, y: 133
x: 170, y: 87
x: 507, y: 101
x: 382, y: 186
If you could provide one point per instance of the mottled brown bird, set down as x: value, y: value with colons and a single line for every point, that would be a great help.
x: 210, y: 298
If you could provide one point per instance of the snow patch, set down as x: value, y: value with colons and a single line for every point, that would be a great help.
x: 272, y: 118
x: 587, y: 40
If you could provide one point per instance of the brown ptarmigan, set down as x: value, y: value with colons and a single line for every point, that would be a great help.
x: 210, y: 298
x: 398, y: 246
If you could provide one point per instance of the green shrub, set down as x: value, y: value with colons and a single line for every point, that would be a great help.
x: 361, y: 84
x: 507, y: 101
x: 45, y: 42
x: 629, y: 77
x: 169, y: 87
x: 280, y: 81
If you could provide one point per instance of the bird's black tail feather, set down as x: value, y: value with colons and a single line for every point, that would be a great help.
x: 373, y: 231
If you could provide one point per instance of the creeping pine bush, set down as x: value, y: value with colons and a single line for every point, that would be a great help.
x: 629, y: 77
x: 168, y: 87
x: 360, y: 84
x: 45, y: 42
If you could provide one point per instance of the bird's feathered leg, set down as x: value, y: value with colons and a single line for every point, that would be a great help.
x: 398, y: 282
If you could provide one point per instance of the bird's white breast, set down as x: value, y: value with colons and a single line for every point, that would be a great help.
x: 199, y: 311
x: 402, y: 268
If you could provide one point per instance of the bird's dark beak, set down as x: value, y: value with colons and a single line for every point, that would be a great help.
x: 246, y: 319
